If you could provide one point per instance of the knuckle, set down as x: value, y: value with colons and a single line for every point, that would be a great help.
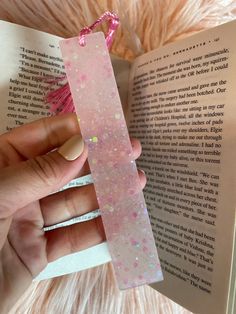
x: 72, y: 240
x: 52, y: 135
x: 45, y: 168
x: 4, y: 158
x: 100, y: 230
x: 70, y: 204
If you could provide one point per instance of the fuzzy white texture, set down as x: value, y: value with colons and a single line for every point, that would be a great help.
x: 145, y: 25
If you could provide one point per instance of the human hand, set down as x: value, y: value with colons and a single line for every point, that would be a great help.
x: 31, y: 168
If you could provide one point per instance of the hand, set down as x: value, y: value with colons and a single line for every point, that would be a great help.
x: 31, y: 168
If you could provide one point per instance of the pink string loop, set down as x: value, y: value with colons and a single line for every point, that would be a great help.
x: 113, y: 20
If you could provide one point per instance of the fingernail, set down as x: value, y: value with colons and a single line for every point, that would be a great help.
x: 132, y: 141
x: 72, y: 148
x: 143, y: 172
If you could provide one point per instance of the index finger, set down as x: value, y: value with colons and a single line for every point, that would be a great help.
x: 41, y: 136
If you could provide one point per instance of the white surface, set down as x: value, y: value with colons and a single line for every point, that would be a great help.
x: 94, y: 256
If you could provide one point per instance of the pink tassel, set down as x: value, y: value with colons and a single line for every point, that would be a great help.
x: 61, y: 100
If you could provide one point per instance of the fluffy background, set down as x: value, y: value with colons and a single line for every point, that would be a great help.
x: 145, y: 25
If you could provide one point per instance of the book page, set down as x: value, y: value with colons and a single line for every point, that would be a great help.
x: 25, y: 56
x: 182, y: 108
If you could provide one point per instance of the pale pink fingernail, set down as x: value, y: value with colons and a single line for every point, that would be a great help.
x: 72, y: 148
x: 143, y: 172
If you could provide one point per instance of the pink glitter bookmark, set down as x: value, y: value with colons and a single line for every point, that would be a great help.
x: 122, y: 205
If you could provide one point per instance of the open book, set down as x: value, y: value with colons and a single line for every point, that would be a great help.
x: 181, y: 105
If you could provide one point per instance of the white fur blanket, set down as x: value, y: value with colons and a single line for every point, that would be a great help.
x: 146, y: 24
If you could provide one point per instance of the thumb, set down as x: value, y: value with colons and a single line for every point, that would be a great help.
x: 35, y: 178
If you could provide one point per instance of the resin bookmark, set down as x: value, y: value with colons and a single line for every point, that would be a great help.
x: 121, y: 202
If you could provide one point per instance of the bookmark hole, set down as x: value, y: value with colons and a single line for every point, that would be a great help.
x: 83, y: 32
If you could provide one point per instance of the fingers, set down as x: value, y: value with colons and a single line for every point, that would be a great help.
x: 137, y: 149
x: 74, y: 238
x: 142, y: 178
x: 70, y: 203
x: 32, y: 180
x: 67, y: 240
x: 41, y: 136
x: 74, y: 202
x: 4, y: 227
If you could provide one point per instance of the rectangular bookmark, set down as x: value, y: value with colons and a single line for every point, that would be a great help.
x: 103, y: 127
